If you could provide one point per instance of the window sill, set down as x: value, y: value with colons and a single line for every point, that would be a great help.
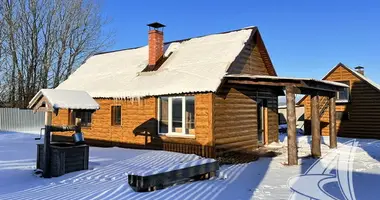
x: 342, y: 101
x: 178, y: 135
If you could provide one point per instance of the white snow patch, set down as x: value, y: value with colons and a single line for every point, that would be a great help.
x: 66, y: 99
x: 107, y: 177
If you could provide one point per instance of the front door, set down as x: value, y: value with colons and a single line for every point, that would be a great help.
x: 261, y: 104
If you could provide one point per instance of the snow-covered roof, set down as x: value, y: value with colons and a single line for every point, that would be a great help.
x: 359, y: 75
x: 66, y: 99
x: 285, y: 78
x: 195, y: 65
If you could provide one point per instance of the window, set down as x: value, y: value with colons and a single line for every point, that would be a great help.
x: 342, y: 115
x: 190, y: 115
x: 84, y: 115
x: 176, y: 115
x: 116, y: 115
x: 344, y: 95
x: 163, y: 115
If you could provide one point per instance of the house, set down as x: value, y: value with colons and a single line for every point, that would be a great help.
x: 357, y: 107
x: 207, y: 95
x: 300, y: 110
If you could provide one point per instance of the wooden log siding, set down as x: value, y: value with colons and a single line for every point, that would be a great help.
x: 235, y: 118
x: 363, y: 109
x: 249, y: 61
x: 140, y: 115
x: 202, y: 150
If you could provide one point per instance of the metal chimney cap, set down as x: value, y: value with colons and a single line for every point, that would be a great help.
x: 359, y: 68
x: 156, y: 25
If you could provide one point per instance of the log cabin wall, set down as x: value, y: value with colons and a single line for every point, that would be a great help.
x: 363, y: 109
x: 235, y: 106
x: 136, y: 117
x: 250, y: 60
x: 235, y: 117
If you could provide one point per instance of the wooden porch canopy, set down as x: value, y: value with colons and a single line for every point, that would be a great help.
x: 293, y: 86
x: 51, y: 100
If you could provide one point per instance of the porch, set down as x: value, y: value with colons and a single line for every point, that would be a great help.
x: 292, y: 86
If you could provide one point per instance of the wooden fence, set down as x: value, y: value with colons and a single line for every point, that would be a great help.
x: 201, y: 150
x: 21, y: 120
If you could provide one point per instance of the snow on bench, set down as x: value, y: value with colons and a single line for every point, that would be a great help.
x: 144, y: 180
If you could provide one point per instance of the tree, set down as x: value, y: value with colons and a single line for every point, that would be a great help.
x: 43, y: 41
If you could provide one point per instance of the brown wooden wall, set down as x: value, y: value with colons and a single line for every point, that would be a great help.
x: 137, y: 117
x: 249, y: 61
x: 235, y: 110
x: 363, y: 109
x: 235, y: 117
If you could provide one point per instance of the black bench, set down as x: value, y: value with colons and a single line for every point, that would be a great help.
x: 160, y: 178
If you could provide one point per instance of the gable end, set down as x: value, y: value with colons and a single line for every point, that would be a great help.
x: 253, y: 58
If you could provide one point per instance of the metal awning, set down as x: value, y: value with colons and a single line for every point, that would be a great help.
x: 53, y: 100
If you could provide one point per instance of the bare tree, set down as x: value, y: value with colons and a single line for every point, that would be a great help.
x: 43, y: 41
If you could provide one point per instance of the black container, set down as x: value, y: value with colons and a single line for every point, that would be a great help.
x: 65, y: 158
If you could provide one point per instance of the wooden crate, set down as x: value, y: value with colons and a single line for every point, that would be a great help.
x: 65, y: 158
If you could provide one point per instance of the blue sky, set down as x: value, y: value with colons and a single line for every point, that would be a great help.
x: 304, y: 38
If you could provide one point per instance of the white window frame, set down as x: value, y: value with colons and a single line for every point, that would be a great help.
x: 348, y: 93
x: 170, y: 132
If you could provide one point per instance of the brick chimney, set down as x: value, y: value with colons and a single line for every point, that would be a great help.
x: 360, y: 70
x: 156, y: 43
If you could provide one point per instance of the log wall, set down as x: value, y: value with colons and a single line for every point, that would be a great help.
x: 139, y: 117
x: 235, y: 117
x: 250, y: 60
x: 363, y: 108
x: 235, y: 109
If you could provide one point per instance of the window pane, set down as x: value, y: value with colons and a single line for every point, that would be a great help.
x: 343, y: 95
x: 116, y: 115
x: 190, y: 115
x: 87, y: 119
x: 177, y: 115
x: 83, y: 115
x: 164, y: 114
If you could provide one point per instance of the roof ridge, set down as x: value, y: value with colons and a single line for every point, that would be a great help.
x: 180, y: 40
x: 362, y: 77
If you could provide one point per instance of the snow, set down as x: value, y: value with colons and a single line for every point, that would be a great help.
x: 66, y: 99
x: 266, y: 178
x: 196, y: 65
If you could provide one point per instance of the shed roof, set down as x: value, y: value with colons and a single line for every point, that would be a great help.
x: 194, y: 65
x: 65, y: 99
x: 285, y: 79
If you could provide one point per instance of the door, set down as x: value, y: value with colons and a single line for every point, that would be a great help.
x: 261, y: 119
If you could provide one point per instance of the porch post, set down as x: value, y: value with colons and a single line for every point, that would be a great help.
x: 48, y: 121
x: 332, y: 117
x: 291, y: 119
x: 315, y: 127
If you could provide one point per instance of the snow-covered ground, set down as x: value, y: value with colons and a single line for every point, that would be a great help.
x: 266, y: 178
